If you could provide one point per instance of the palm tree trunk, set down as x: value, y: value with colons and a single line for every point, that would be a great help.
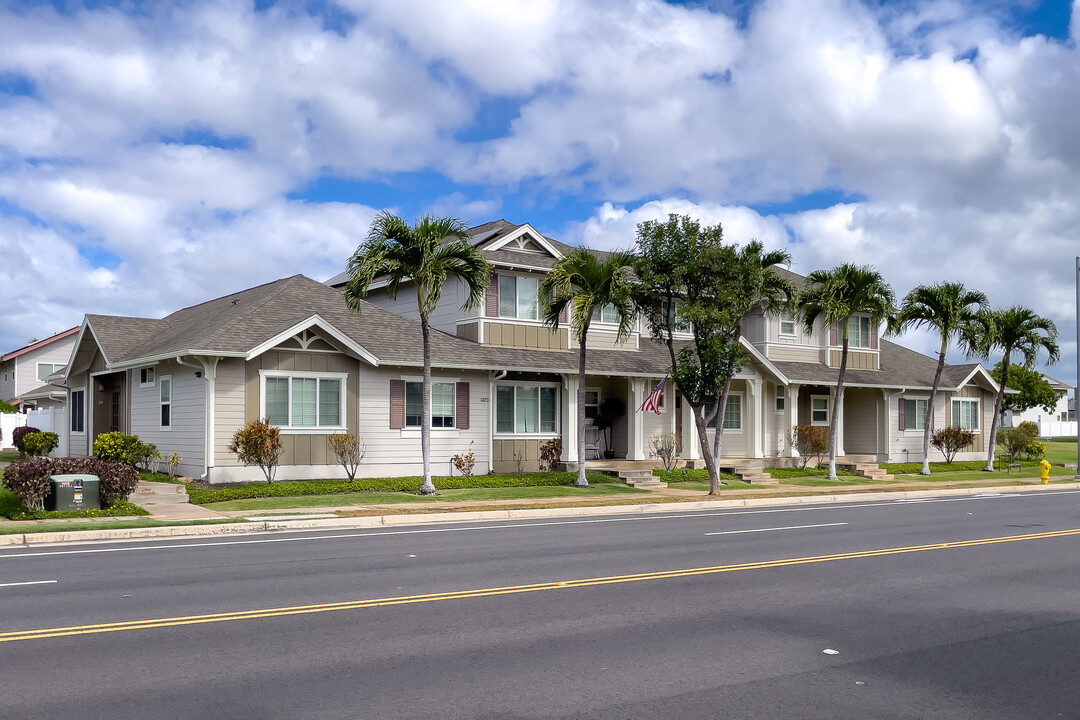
x: 581, y: 481
x: 428, y: 487
x: 838, y: 402
x: 929, y: 420
x: 997, y: 412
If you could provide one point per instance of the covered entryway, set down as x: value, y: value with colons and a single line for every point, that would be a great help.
x: 109, y: 407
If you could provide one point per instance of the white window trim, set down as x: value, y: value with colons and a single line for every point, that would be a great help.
x: 152, y: 374
x: 978, y: 411
x: 779, y: 400
x: 54, y: 366
x: 496, y: 435
x: 83, y: 431
x: 408, y: 430
x: 780, y: 325
x: 869, y: 333
x: 828, y: 410
x: 317, y: 430
x: 913, y: 431
x: 162, y: 403
x: 742, y: 414
x: 539, y: 305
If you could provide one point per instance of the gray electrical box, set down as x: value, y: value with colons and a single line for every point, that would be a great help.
x: 74, y: 492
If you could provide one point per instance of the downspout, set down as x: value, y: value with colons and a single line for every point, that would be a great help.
x: 492, y: 379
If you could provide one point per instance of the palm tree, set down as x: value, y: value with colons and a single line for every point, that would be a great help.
x: 754, y: 281
x: 836, y: 296
x: 423, y: 254
x: 585, y: 282
x: 1012, y: 329
x: 950, y: 309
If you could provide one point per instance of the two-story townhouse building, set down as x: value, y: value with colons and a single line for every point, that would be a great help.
x: 24, y: 372
x: 503, y: 383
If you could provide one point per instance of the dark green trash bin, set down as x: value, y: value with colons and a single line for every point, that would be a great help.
x: 74, y: 492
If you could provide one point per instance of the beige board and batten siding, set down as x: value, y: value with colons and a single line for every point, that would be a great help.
x: 303, y: 448
x: 986, y: 416
x: 469, y: 331
x: 793, y: 353
x: 857, y: 360
x: 603, y: 339
x: 187, y: 435
x: 396, y: 452
x: 519, y: 335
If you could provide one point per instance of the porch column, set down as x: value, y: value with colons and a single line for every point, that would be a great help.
x: 635, y: 426
x: 839, y: 410
x: 887, y: 450
x: 691, y: 444
x: 792, y: 417
x: 569, y: 413
x: 753, y: 401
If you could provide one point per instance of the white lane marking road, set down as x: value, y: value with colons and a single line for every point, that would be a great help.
x: 28, y: 582
x: 789, y: 527
x: 23, y: 553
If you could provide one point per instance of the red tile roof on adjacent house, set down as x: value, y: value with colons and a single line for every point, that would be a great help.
x: 40, y: 343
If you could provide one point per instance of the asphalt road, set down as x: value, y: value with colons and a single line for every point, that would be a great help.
x: 957, y: 608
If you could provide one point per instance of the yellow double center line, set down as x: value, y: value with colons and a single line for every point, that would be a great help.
x: 505, y: 590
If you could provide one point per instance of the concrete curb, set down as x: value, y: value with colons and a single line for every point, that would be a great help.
x: 377, y: 521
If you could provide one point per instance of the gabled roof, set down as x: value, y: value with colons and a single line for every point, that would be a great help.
x: 39, y: 344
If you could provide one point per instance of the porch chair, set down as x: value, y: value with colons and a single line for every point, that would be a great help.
x: 592, y: 442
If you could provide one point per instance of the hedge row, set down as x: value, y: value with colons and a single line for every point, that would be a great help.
x: 910, y: 468
x: 782, y: 473
x: 12, y: 508
x: 30, y: 478
x: 402, y: 484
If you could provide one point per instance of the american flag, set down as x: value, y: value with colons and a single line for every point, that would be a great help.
x: 653, y: 401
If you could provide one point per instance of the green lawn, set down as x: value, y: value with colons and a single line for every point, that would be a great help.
x: 453, y: 495
x: 1061, y: 450
x: 9, y: 456
x: 1027, y: 473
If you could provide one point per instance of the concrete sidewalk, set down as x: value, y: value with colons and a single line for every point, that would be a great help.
x: 281, y: 521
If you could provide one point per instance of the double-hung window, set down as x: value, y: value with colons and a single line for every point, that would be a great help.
x: 78, y: 410
x: 965, y: 414
x: 914, y: 413
x: 165, y: 397
x: 526, y: 409
x: 732, y: 412
x: 606, y: 314
x: 859, y: 332
x: 819, y: 409
x: 44, y: 370
x: 518, y: 297
x: 787, y: 323
x: 304, y: 400
x: 443, y: 404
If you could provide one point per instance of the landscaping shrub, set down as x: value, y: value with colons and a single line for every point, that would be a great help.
x: 812, y: 441
x: 30, y: 478
x: 666, y: 447
x: 1013, y: 441
x: 124, y: 448
x: 782, y: 473
x: 19, y: 433
x: 258, y: 443
x: 40, y: 444
x: 1034, y: 450
x: 402, y: 484
x: 550, y: 452
x: 950, y: 440
x: 349, y: 451
x: 913, y: 468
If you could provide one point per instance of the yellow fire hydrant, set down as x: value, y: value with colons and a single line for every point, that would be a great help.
x: 1044, y: 471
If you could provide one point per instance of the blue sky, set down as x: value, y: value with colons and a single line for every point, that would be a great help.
x: 154, y: 155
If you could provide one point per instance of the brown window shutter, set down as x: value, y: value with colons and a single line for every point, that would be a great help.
x: 873, y: 335
x: 564, y: 315
x: 491, y: 298
x: 834, y: 334
x: 397, y: 404
x: 462, y: 415
x: 903, y: 423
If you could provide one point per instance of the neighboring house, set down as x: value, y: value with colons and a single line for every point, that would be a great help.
x: 292, y: 351
x: 24, y: 372
x: 1038, y: 414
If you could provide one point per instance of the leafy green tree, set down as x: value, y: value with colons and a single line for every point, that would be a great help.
x: 948, y: 309
x: 6, y: 407
x: 835, y: 296
x: 1015, y: 329
x: 584, y: 282
x: 1033, y: 389
x: 683, y: 272
x: 423, y: 254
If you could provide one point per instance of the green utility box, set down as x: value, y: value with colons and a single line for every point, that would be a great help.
x: 74, y: 492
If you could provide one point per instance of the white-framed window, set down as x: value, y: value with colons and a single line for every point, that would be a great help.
x: 965, y: 413
x: 304, y: 401
x: 787, y: 323
x: 146, y: 377
x: 781, y: 403
x: 443, y: 404
x: 859, y: 331
x: 914, y: 413
x: 592, y: 403
x: 606, y: 314
x: 165, y: 399
x: 819, y: 409
x: 527, y: 408
x: 519, y: 297
x: 732, y: 412
x: 678, y: 323
x: 44, y: 370
x: 78, y: 410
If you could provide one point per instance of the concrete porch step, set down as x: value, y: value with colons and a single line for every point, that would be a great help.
x: 643, y: 479
x: 159, y: 493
